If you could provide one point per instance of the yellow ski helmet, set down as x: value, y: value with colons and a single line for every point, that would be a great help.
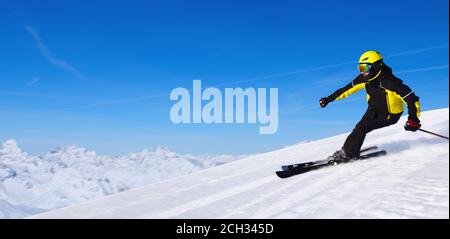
x: 370, y: 57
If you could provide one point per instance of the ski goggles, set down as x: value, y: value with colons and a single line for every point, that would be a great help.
x: 364, y: 68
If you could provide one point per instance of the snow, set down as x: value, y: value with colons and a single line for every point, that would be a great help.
x: 71, y: 175
x: 412, y: 181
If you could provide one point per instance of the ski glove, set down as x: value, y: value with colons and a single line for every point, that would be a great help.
x: 324, y: 102
x: 412, y: 125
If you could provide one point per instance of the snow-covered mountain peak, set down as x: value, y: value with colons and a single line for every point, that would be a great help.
x: 164, y: 152
x: 160, y: 154
x: 71, y: 155
x: 72, y: 151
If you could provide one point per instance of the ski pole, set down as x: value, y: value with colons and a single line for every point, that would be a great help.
x: 438, y: 135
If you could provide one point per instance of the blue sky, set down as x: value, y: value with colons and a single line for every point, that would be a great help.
x: 99, y: 74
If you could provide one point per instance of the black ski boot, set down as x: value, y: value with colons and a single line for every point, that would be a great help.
x: 339, y: 157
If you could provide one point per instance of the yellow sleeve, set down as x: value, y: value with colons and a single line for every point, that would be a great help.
x: 350, y: 91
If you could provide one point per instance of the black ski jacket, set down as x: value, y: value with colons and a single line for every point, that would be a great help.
x: 385, y: 93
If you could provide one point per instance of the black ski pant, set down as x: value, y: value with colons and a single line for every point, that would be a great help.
x: 370, y: 121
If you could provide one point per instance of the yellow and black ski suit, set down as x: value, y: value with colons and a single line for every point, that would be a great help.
x: 385, y: 96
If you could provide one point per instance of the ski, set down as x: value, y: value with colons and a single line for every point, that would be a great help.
x: 321, y: 164
x: 287, y: 167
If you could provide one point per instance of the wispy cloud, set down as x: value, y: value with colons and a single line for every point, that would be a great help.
x: 121, y: 101
x: 49, y: 56
x: 423, y: 69
x: 33, y: 81
x: 416, y: 51
x: 323, y: 67
x: 20, y: 93
x: 290, y: 73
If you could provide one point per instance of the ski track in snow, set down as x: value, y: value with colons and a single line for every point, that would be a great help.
x: 412, y: 181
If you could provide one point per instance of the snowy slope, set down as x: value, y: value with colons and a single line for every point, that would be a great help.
x: 411, y: 182
x: 70, y: 175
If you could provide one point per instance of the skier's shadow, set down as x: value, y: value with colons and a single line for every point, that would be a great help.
x: 403, y: 145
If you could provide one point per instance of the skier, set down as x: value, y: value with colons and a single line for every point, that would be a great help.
x: 385, y: 95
